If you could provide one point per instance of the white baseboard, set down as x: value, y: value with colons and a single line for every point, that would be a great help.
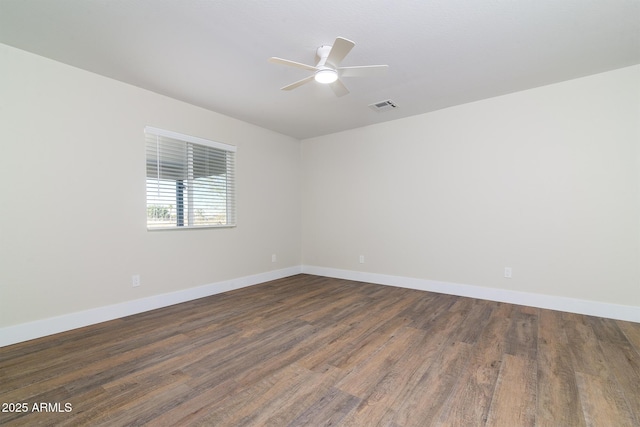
x: 571, y: 305
x: 40, y: 328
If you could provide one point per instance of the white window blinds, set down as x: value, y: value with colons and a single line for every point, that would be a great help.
x: 190, y: 181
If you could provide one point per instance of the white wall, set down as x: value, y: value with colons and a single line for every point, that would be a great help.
x: 72, y: 210
x: 544, y: 181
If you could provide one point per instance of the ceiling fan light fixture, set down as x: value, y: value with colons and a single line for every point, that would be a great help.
x: 327, y: 70
x: 326, y: 76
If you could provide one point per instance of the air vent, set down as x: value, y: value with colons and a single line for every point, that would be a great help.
x: 383, y: 105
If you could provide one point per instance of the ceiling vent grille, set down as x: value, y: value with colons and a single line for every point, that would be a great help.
x: 383, y: 106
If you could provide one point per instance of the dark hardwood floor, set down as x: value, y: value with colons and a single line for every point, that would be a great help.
x: 316, y: 351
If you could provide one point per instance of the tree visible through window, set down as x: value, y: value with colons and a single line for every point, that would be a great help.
x: 190, y: 181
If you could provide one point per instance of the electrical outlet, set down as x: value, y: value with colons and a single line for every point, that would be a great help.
x: 274, y: 258
x: 135, y: 280
x: 361, y: 259
x: 507, y: 272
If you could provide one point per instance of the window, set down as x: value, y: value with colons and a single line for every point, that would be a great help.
x: 190, y: 181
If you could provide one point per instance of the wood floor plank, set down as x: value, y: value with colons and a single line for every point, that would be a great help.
x: 513, y: 402
x: 362, y: 346
x: 558, y: 400
x: 522, y: 336
x: 353, y: 340
x: 378, y: 394
x: 422, y: 406
x: 469, y: 403
x: 632, y: 333
x: 361, y: 380
x: 600, y: 393
x: 603, y: 403
x: 310, y: 350
x: 475, y: 321
x: 419, y: 365
x: 192, y: 406
x: 329, y: 410
x: 621, y: 359
x: 587, y: 357
x: 89, y: 376
x: 242, y: 406
x: 624, y: 364
x: 295, y: 403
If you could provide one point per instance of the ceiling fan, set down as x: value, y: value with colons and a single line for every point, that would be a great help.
x: 328, y: 70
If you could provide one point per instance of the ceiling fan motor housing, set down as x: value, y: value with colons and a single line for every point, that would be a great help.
x: 322, y: 54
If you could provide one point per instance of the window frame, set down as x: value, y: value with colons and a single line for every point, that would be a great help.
x: 185, y: 199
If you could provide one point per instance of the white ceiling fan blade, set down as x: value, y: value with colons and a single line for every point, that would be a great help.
x: 339, y: 88
x: 292, y: 63
x: 341, y: 47
x: 363, y: 71
x: 298, y: 83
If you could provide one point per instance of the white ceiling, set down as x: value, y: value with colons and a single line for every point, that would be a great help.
x: 440, y: 52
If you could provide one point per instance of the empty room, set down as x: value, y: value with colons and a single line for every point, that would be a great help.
x: 297, y: 213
